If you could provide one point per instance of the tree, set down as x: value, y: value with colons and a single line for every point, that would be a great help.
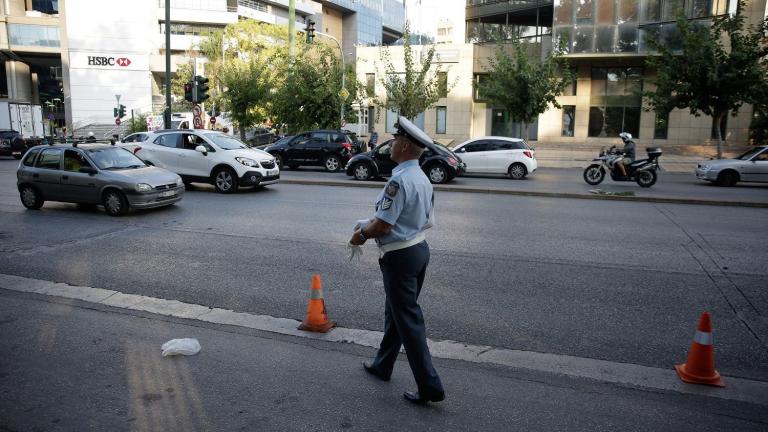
x: 418, y: 87
x: 524, y: 88
x: 183, y: 75
x: 707, y: 77
x: 138, y: 123
x: 247, y: 97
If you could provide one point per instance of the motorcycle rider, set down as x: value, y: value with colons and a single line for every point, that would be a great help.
x: 628, y: 154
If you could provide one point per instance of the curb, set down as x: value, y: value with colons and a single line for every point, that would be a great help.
x: 619, y: 374
x: 500, y: 191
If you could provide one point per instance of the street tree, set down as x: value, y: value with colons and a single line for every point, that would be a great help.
x: 720, y: 67
x: 523, y: 86
x: 183, y: 75
x: 418, y: 86
x: 248, y: 84
x: 138, y: 123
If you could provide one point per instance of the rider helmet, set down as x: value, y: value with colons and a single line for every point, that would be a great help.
x: 625, y: 136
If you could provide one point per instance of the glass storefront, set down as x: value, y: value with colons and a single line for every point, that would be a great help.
x: 615, y: 102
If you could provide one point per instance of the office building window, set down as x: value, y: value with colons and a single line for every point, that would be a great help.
x: 392, y: 119
x: 569, y: 119
x: 33, y: 35
x: 661, y: 125
x: 571, y: 90
x: 615, y: 102
x: 503, y: 125
x: 50, y: 7
x: 441, y: 119
x: 370, y: 84
x: 478, y: 81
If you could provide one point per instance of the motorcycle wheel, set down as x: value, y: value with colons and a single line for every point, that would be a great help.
x: 594, y: 175
x: 646, y: 178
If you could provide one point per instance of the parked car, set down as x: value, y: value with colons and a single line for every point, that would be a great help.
x: 12, y: 143
x: 136, y: 137
x: 94, y: 174
x: 327, y: 148
x: 439, y: 164
x: 497, y: 155
x: 752, y: 166
x: 259, y: 136
x: 207, y: 156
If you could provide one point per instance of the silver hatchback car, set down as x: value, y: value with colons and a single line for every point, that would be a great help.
x: 94, y: 174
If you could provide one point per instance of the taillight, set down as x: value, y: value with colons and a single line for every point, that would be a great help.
x: 136, y: 150
x: 347, y: 146
x: 452, y: 161
x: 529, y: 154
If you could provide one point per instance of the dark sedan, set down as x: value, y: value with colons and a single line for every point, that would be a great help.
x: 439, y: 164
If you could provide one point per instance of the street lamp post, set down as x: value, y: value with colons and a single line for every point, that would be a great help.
x: 343, y: 70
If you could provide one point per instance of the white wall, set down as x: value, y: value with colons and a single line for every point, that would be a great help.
x: 113, y: 29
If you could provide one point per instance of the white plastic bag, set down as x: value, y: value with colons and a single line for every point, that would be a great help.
x: 185, y: 346
x: 354, y: 251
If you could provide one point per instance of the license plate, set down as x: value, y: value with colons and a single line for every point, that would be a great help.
x: 272, y: 172
x: 167, y: 194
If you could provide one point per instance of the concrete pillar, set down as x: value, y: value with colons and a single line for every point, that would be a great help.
x: 19, y: 81
x: 35, y: 82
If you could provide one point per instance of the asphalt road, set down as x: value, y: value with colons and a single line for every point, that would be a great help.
x: 569, y: 180
x: 616, y: 281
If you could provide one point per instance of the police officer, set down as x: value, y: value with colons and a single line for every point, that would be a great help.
x: 403, y: 212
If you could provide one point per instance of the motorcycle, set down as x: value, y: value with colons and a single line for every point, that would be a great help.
x: 642, y: 171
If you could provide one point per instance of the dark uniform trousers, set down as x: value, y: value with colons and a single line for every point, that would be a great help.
x: 404, y: 271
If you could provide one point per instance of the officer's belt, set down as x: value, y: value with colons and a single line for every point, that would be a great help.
x: 389, y: 247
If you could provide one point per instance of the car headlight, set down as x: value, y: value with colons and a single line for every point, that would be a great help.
x: 143, y: 187
x: 705, y: 167
x: 247, y: 162
x: 179, y: 182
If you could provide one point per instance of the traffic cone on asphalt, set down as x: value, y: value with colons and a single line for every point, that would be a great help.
x: 700, y: 367
x: 317, y: 317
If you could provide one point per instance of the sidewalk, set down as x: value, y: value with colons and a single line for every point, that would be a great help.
x: 72, y: 365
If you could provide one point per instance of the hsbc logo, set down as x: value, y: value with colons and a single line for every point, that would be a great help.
x: 108, y: 61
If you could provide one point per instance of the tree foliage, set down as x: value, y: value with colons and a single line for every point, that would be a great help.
x: 524, y: 88
x: 138, y: 123
x: 183, y: 75
x: 417, y: 88
x: 721, y: 67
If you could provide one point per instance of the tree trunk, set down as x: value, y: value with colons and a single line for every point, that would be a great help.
x: 717, y: 120
x: 242, y: 132
x: 525, y: 132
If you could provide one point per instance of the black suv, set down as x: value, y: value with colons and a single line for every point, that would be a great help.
x: 439, y: 164
x: 12, y: 143
x: 327, y: 148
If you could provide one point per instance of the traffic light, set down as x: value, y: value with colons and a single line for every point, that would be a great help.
x: 188, y: 91
x: 114, y: 112
x: 201, y: 89
x: 121, y: 111
x: 310, y: 30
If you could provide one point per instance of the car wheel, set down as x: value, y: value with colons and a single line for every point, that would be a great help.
x: 646, y: 178
x: 31, y: 198
x: 332, y: 163
x: 362, y: 171
x: 517, y: 171
x: 115, y: 203
x: 594, y: 175
x: 437, y: 174
x: 225, y: 180
x: 278, y: 161
x: 727, y: 178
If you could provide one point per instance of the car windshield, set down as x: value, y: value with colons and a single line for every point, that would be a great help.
x: 115, y: 158
x: 283, y: 140
x: 226, y: 142
x: 750, y: 153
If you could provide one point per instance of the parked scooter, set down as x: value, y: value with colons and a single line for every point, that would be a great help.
x: 642, y: 171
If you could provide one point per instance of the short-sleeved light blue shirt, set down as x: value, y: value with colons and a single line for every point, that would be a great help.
x: 406, y: 203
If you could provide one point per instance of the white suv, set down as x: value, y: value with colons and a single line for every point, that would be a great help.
x: 497, y: 155
x: 206, y: 156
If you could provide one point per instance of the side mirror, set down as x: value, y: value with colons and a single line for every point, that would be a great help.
x: 461, y: 150
x: 202, y: 149
x: 88, y: 170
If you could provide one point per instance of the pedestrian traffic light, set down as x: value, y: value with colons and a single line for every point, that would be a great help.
x: 121, y: 111
x: 188, y: 91
x: 201, y: 89
x: 310, y: 30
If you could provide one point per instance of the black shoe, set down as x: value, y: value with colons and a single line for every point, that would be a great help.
x: 371, y: 370
x: 417, y: 398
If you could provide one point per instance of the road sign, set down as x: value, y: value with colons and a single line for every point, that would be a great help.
x: 343, y: 123
x: 117, y: 121
x: 344, y: 93
x: 196, y: 111
x: 197, y: 123
x: 213, y: 120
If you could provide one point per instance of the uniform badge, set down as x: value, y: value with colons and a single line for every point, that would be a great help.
x: 386, y: 204
x: 392, y: 188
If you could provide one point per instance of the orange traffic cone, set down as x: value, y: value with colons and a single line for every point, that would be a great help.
x: 317, y: 317
x: 700, y: 368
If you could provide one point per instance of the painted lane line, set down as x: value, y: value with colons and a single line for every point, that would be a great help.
x: 622, y: 374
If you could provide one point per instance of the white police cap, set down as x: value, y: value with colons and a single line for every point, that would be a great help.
x: 410, y: 130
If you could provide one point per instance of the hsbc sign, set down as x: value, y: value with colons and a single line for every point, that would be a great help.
x: 109, y: 61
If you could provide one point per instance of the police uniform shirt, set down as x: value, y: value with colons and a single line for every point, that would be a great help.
x: 405, y: 203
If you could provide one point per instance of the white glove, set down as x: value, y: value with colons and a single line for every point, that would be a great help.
x: 361, y: 224
x: 354, y: 251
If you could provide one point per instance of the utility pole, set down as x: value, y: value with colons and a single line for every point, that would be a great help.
x: 291, y: 26
x: 167, y: 111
